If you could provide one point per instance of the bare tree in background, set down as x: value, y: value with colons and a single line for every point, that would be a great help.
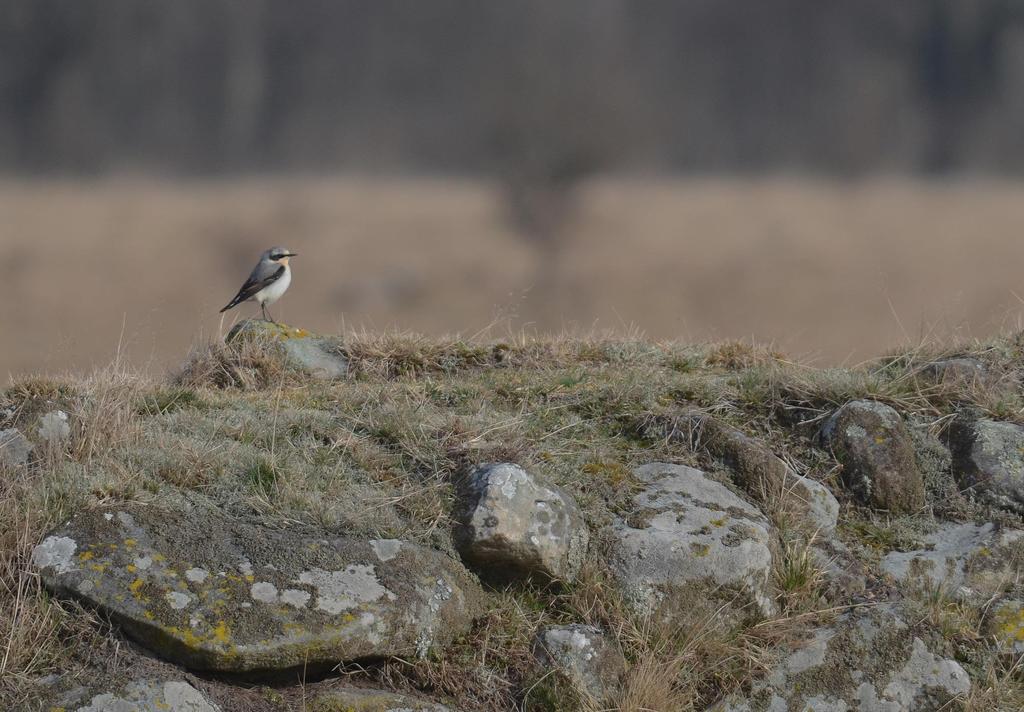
x: 559, y: 121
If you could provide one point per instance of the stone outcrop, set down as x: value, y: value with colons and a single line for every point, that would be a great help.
x: 689, y: 539
x: 512, y: 524
x: 585, y: 657
x: 872, y: 443
x: 868, y: 661
x: 988, y: 457
x: 966, y: 560
x: 147, y: 695
x: 213, y: 593
x: 313, y: 355
x: 15, y: 448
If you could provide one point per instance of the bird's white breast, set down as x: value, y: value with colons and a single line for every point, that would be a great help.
x: 270, y: 294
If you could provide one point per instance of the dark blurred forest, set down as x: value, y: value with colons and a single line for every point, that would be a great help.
x: 554, y: 88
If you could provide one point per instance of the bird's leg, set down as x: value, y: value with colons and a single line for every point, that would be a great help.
x: 266, y: 315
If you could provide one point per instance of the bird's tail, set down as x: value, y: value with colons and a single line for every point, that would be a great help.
x: 231, y: 305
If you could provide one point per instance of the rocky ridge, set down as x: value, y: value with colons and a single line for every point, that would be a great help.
x: 706, y: 527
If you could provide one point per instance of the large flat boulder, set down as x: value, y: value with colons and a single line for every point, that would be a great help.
x: 513, y: 524
x: 213, y: 593
x: 689, y: 539
x: 969, y: 561
x: 868, y: 661
x: 874, y: 446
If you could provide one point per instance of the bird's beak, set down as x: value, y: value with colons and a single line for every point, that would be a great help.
x: 292, y: 254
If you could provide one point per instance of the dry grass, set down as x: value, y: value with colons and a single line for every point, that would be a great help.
x: 238, y: 430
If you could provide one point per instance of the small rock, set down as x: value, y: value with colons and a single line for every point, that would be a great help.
x: 689, y: 540
x: 874, y: 446
x: 513, y: 524
x: 963, y: 369
x: 214, y: 593
x: 54, y: 428
x: 867, y: 661
x: 966, y: 560
x: 1005, y: 624
x: 14, y: 448
x: 988, y: 457
x: 150, y: 696
x: 812, y: 503
x: 591, y: 663
x: 361, y: 700
x: 316, y: 356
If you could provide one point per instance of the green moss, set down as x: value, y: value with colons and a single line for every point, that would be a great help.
x: 262, y: 476
x: 168, y: 400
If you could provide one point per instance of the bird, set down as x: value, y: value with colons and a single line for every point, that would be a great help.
x: 267, y: 282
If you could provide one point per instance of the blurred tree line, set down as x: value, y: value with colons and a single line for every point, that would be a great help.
x: 540, y: 92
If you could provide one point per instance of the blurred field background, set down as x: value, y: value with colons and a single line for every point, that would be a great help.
x: 836, y: 178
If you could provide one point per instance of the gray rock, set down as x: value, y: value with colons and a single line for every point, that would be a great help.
x: 316, y: 356
x: 811, y: 503
x: 14, y: 448
x: 150, y: 696
x: 755, y: 468
x: 513, y: 524
x: 54, y: 428
x: 591, y: 662
x: 988, y: 457
x: 963, y: 369
x: 867, y: 661
x: 873, y: 444
x: 689, y: 540
x: 213, y: 593
x: 362, y: 700
x: 845, y: 575
x: 966, y: 560
x: 1005, y: 625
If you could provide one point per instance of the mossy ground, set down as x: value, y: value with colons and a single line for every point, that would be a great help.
x: 379, y: 454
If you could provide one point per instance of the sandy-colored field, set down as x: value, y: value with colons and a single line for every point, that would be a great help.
x: 831, y: 271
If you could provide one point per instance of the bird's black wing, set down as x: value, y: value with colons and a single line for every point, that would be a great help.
x: 253, y: 285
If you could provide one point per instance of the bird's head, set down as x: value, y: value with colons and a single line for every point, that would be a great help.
x: 280, y: 255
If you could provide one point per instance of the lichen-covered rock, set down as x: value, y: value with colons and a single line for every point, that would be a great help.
x: 755, y: 468
x: 966, y: 560
x: 688, y: 539
x: 962, y: 369
x: 317, y: 356
x: 214, y: 593
x: 811, y: 503
x: 362, y: 700
x: 988, y: 457
x: 591, y: 662
x: 513, y: 524
x: 14, y: 448
x: 54, y: 429
x: 866, y: 662
x: 145, y: 696
x: 873, y: 444
x: 1005, y: 625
